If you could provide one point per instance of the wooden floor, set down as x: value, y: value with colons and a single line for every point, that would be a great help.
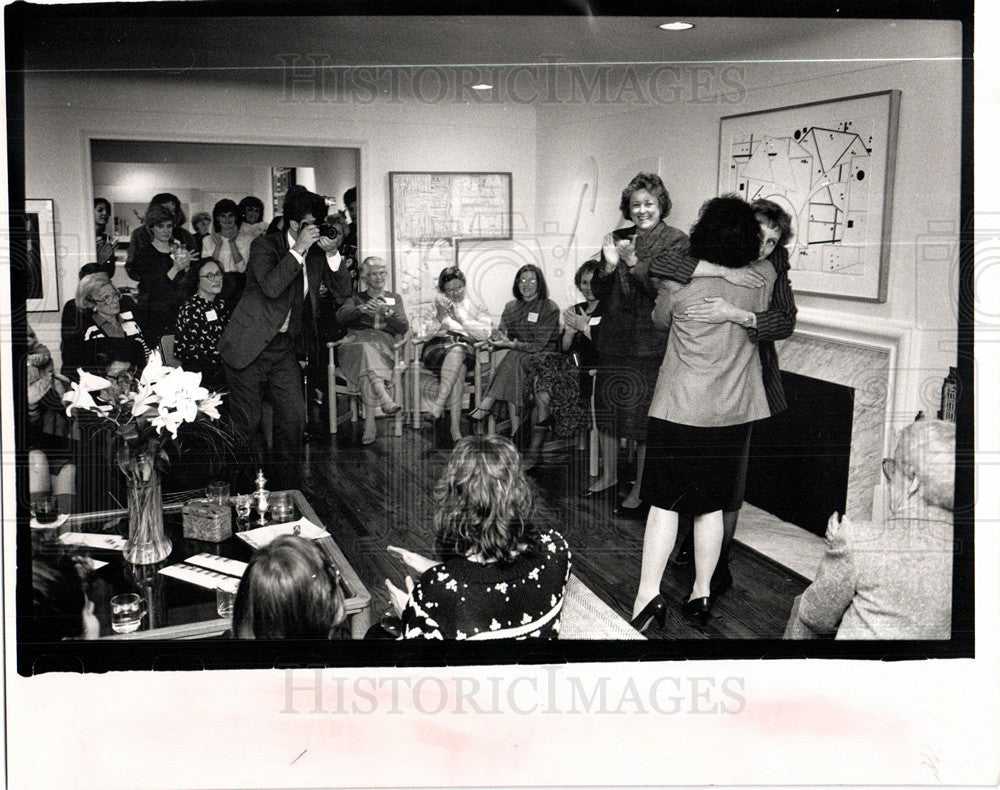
x: 379, y: 495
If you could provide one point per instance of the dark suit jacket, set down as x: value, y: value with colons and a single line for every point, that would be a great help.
x: 273, y: 280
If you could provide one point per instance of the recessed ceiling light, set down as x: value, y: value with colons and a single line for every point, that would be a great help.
x: 676, y: 26
x: 482, y: 86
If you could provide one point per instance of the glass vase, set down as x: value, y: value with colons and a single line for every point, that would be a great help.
x: 147, y: 543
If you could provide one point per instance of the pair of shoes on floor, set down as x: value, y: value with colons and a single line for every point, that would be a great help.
x: 654, y: 610
x: 697, y: 610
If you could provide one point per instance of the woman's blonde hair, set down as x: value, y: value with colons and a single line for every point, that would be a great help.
x: 88, y: 286
x: 483, y: 500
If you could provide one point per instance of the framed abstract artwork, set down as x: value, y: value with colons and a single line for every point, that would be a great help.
x: 830, y: 165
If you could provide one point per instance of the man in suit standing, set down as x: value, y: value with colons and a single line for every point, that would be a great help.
x: 272, y: 326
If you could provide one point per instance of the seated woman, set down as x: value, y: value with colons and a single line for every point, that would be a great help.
x: 228, y: 244
x: 288, y: 591
x: 375, y: 319
x: 531, y: 365
x: 708, y: 393
x: 102, y: 312
x: 891, y: 580
x: 581, y: 327
x: 200, y: 323
x: 51, y: 471
x: 157, y: 258
x: 450, y: 352
x: 500, y: 578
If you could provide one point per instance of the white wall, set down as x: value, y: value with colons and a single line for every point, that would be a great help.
x: 63, y: 112
x: 583, y: 141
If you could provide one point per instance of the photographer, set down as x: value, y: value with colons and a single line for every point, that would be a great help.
x: 275, y: 323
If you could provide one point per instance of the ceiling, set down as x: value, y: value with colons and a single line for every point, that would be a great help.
x: 258, y: 48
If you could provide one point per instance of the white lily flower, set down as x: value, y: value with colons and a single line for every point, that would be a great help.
x: 78, y: 398
x: 91, y: 383
x: 154, y: 370
x: 144, y: 400
x: 210, y: 405
x: 167, y: 419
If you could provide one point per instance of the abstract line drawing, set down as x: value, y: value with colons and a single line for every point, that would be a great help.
x: 830, y: 165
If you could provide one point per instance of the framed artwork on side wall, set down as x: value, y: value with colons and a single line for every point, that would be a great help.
x: 41, y: 276
x: 830, y: 165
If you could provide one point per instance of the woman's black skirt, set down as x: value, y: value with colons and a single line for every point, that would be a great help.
x: 694, y: 470
x: 437, y: 348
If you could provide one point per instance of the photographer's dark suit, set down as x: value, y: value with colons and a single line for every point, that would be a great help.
x: 261, y: 360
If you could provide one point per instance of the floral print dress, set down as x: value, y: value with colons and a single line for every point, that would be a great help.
x: 521, y: 599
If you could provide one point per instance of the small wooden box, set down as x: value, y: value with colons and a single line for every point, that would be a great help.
x: 206, y: 520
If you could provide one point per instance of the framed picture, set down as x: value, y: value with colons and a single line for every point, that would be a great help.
x: 41, y: 275
x: 830, y: 165
x: 282, y: 179
x: 429, y: 214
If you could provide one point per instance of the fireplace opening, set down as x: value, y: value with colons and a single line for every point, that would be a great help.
x: 799, y: 459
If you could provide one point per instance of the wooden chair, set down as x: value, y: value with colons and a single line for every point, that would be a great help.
x: 337, y: 385
x: 472, y: 387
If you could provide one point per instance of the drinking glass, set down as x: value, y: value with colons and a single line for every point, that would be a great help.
x: 282, y: 508
x: 263, y: 498
x: 244, y: 504
x: 127, y: 611
x: 224, y: 602
x: 218, y: 492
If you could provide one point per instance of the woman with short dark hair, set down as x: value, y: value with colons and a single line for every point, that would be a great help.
x: 709, y: 392
x: 201, y: 321
x: 532, y: 367
x: 159, y: 253
x: 290, y: 590
x: 250, y: 213
x: 500, y: 577
x: 227, y: 242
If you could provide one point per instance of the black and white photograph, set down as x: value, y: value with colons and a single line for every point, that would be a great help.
x: 477, y: 388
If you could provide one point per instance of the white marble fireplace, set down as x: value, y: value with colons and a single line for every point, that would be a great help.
x: 873, y: 357
x: 864, y: 354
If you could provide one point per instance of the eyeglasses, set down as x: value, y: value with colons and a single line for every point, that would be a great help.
x: 454, y: 289
x: 376, y: 273
x: 107, y: 299
x: 212, y: 276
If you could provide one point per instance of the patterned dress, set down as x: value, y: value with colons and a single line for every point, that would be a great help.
x: 461, y: 599
x: 200, y: 324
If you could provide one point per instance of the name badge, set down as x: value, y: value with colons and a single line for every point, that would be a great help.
x: 211, y: 316
x: 594, y: 320
x: 126, y: 316
x: 532, y: 318
x: 130, y: 328
x: 389, y: 301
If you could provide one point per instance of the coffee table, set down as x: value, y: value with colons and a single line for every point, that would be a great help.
x: 181, y: 610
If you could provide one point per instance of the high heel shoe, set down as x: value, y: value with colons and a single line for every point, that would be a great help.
x: 608, y: 493
x: 478, y: 414
x: 697, y: 610
x: 654, y: 610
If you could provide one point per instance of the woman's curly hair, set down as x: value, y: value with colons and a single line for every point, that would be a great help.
x: 483, y: 500
x: 727, y: 233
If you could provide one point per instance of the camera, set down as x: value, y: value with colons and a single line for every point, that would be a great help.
x: 330, y: 230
